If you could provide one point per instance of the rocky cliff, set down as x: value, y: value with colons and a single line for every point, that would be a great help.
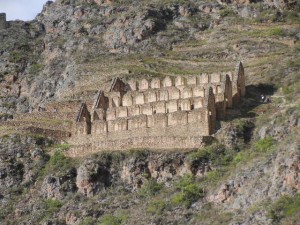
x: 48, y: 66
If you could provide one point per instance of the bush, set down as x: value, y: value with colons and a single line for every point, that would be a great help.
x: 150, y: 188
x: 51, y: 206
x: 276, y: 32
x: 87, y: 221
x: 57, y: 162
x: 265, y: 145
x: 8, y: 105
x: 284, y: 207
x: 156, y: 207
x: 240, y: 157
x: 62, y: 147
x: 39, y: 139
x: 190, y: 191
x: 17, y: 57
x: 227, y: 12
x: 5, y: 116
x: 35, y: 69
x: 291, y: 16
x: 112, y: 220
x: 216, y: 153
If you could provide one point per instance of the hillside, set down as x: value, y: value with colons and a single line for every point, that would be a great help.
x: 249, y: 174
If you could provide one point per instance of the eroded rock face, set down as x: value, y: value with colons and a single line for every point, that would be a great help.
x: 130, y: 31
x: 17, y: 158
x: 95, y: 175
x: 92, y: 177
x: 51, y: 188
x: 161, y: 167
x: 58, y: 186
x: 264, y: 179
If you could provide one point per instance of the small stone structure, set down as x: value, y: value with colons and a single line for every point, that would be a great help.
x: 158, y: 113
x: 3, y: 21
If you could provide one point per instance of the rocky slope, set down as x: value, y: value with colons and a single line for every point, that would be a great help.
x: 249, y: 175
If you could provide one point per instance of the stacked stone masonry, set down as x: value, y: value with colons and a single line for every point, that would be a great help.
x: 2, y: 20
x: 170, y: 107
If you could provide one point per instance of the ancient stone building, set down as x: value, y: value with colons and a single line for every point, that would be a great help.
x: 2, y: 20
x: 145, y: 113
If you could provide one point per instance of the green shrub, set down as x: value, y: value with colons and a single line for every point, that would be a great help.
x: 5, y: 116
x: 156, y: 207
x: 213, y: 176
x: 51, y: 206
x: 239, y: 157
x: 17, y: 57
x: 276, y: 32
x: 292, y: 16
x: 190, y: 191
x: 177, y: 199
x: 284, y: 207
x: 87, y: 221
x: 227, y: 12
x: 8, y: 105
x: 150, y: 188
x: 294, y: 63
x: 112, y: 220
x: 265, y: 145
x: 39, y: 138
x: 58, y: 159
x: 62, y: 147
x: 58, y: 162
x: 216, y: 153
x: 35, y: 69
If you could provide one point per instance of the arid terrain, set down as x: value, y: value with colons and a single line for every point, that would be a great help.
x: 249, y: 174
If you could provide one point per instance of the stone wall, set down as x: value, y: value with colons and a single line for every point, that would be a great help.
x: 3, y: 23
x: 170, y: 107
x: 238, y: 84
x: 153, y: 142
x: 138, y: 105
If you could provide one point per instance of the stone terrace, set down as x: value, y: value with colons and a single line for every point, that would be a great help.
x: 153, y: 113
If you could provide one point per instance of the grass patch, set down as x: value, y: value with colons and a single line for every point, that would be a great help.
x: 277, y: 31
x: 270, y: 32
x: 227, y: 12
x: 284, y: 207
x: 262, y: 147
x: 189, y: 191
x: 9, y: 105
x: 62, y: 147
x: 39, y: 139
x: 58, y: 162
x: 50, y: 207
x: 291, y: 17
x: 216, y: 153
x: 211, y: 215
x: 17, y: 56
x: 35, y: 69
x: 150, y: 188
x: 265, y: 145
x: 5, y: 116
x: 112, y: 220
x: 88, y: 221
x: 156, y: 207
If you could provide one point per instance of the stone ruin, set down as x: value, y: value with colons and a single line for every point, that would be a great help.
x: 3, y: 22
x: 174, y: 112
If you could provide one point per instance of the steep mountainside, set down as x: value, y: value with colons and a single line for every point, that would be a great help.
x: 250, y: 174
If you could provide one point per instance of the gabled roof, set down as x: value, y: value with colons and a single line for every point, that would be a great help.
x: 99, y: 95
x: 82, y: 110
x: 114, y: 84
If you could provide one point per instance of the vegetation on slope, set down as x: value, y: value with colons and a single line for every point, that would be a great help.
x: 240, y: 178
